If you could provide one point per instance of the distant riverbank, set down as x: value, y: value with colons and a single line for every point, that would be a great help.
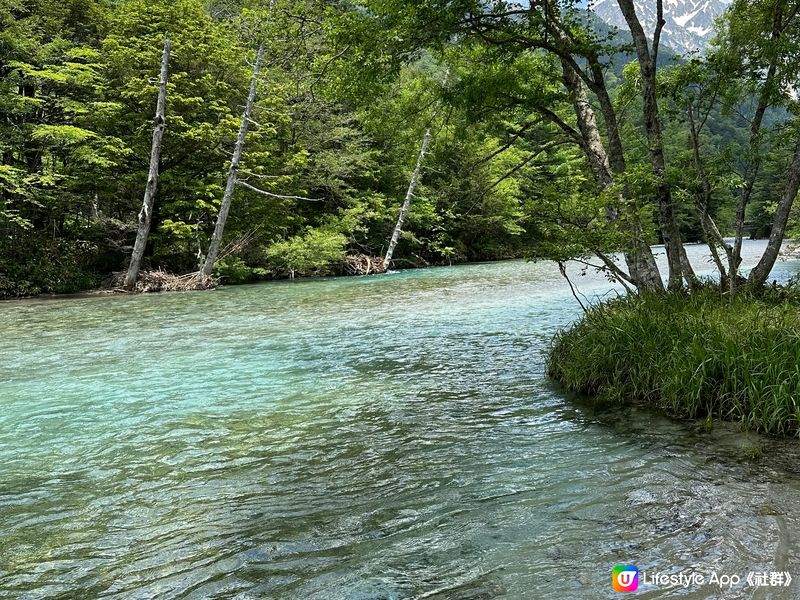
x: 152, y: 281
x: 156, y: 280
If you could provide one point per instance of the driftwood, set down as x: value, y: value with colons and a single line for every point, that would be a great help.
x: 363, y: 264
x: 161, y: 281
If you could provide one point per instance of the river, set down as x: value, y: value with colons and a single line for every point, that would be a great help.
x: 385, y: 437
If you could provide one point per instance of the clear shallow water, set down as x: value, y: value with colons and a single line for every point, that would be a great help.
x: 359, y: 438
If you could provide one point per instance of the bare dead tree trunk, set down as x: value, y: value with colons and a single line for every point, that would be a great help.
x: 146, y: 214
x: 398, y: 228
x: 760, y: 273
x: 679, y: 266
x: 233, y: 171
x: 641, y: 264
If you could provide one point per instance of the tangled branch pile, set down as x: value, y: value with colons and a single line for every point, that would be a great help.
x: 161, y: 281
x: 363, y: 264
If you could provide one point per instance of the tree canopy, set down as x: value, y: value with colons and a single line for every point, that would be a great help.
x: 553, y: 135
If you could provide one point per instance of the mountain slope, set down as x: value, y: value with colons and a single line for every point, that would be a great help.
x: 689, y: 23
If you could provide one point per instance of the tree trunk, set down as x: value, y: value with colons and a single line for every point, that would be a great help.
x: 687, y: 271
x: 679, y: 267
x: 758, y: 276
x: 605, y: 163
x: 233, y: 171
x: 754, y: 157
x: 616, y: 156
x: 640, y: 259
x: 713, y: 236
x: 146, y: 214
x: 641, y: 264
x: 398, y: 228
x: 587, y: 125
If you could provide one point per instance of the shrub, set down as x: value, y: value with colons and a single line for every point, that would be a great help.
x: 314, y: 253
x: 233, y: 270
x: 51, y: 266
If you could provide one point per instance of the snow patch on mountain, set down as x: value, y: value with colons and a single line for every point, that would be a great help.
x: 689, y: 23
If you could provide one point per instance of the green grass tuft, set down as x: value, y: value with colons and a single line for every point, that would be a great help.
x: 691, y: 356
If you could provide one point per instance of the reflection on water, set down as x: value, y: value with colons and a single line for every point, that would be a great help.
x: 364, y: 438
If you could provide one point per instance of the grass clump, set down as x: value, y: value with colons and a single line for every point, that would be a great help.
x: 691, y: 356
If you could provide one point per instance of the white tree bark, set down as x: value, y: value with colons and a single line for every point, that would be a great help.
x: 398, y: 228
x: 146, y: 214
x: 233, y: 171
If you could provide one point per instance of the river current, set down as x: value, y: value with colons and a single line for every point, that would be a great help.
x: 388, y: 437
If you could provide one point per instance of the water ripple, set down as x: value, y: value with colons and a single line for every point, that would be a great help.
x: 374, y: 438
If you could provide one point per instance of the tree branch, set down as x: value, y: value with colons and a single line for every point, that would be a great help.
x: 281, y: 196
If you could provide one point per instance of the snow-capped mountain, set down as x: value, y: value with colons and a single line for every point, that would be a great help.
x: 689, y: 23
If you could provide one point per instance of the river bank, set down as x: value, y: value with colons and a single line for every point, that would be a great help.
x: 154, y: 281
x: 697, y: 356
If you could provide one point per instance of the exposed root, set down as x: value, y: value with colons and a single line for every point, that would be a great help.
x: 363, y: 264
x: 161, y: 281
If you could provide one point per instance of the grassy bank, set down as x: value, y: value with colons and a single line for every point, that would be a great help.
x: 696, y: 356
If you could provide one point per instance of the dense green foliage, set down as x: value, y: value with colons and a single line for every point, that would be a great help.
x: 77, y: 95
x: 345, y: 97
x: 691, y: 356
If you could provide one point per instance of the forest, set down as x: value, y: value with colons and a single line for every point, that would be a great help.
x: 521, y: 316
x: 547, y: 135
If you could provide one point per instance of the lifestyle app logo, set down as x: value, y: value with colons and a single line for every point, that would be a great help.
x: 625, y: 578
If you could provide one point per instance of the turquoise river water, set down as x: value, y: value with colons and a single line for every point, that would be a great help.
x: 389, y: 437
